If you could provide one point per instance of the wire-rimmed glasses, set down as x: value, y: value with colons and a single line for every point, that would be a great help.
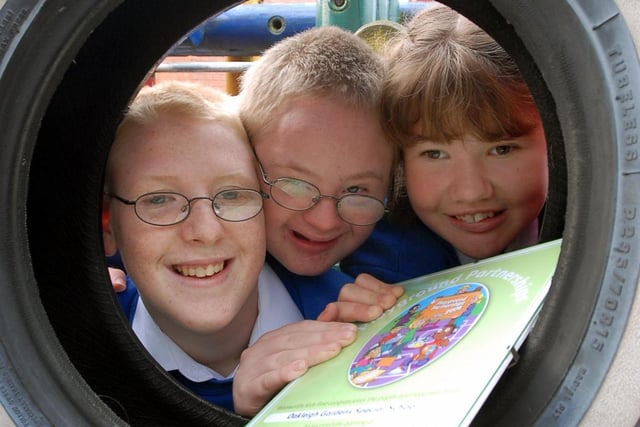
x: 300, y: 195
x: 168, y: 208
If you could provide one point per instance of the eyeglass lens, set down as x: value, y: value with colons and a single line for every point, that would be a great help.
x: 172, y: 208
x: 296, y: 194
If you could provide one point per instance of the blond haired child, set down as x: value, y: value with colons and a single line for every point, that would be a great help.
x: 185, y: 211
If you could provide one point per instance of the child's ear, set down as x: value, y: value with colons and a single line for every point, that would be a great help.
x: 109, y: 241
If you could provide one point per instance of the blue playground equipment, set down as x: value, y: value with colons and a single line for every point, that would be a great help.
x: 249, y: 29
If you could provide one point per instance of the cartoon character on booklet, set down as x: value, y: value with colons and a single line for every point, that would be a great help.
x: 418, y: 336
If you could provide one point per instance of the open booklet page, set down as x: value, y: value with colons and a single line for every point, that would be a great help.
x: 433, y: 358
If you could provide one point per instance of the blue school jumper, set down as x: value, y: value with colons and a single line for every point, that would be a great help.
x: 217, y: 392
x: 311, y: 293
x: 398, y: 252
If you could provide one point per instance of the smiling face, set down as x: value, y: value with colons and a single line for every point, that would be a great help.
x: 478, y: 195
x: 338, y: 148
x: 199, y: 275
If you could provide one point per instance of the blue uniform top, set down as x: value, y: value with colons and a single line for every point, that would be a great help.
x: 311, y: 293
x: 397, y: 252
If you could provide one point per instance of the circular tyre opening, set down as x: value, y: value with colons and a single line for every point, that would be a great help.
x: 67, y: 71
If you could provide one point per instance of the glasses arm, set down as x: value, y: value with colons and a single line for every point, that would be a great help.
x: 263, y: 174
x: 121, y: 199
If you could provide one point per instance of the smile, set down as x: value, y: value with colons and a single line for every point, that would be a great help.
x: 307, y: 239
x: 200, y: 270
x: 473, y: 218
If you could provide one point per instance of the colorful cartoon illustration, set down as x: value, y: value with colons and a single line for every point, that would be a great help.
x: 419, y: 335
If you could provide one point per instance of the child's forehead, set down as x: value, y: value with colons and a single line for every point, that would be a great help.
x: 177, y: 130
x: 174, y: 146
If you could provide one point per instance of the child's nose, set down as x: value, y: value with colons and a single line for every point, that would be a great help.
x: 202, y: 224
x: 471, y: 182
x: 324, y: 214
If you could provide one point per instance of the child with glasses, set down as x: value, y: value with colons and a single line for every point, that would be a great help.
x: 311, y: 107
x: 473, y: 146
x: 183, y: 207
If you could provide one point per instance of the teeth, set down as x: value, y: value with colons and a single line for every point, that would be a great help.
x: 472, y: 218
x: 199, y: 271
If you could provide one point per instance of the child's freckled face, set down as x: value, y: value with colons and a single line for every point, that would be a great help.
x: 200, y: 272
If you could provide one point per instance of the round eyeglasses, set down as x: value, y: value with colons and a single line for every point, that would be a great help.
x: 168, y: 208
x: 299, y: 195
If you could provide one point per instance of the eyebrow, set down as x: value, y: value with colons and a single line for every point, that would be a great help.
x: 174, y: 180
x: 374, y: 174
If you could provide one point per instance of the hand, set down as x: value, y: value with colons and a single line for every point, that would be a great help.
x: 283, y: 355
x: 362, y: 301
x: 118, y: 279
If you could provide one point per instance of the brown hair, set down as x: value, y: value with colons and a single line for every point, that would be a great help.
x: 450, y: 78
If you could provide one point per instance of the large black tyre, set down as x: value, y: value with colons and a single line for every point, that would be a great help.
x: 67, y: 70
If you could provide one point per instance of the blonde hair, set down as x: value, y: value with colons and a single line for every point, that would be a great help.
x: 452, y: 78
x: 187, y: 99
x: 320, y: 62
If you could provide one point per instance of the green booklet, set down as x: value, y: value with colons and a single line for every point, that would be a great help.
x: 434, y: 357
